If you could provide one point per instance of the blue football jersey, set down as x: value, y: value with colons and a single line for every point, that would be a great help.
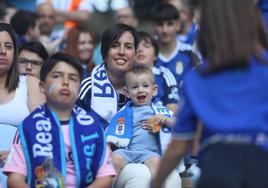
x: 179, y: 62
x: 167, y: 86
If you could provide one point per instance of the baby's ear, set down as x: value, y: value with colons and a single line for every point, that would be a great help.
x: 155, y: 90
x: 126, y: 91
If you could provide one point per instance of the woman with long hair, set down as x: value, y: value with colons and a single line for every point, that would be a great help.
x: 19, y: 95
x: 227, y: 94
x: 80, y: 44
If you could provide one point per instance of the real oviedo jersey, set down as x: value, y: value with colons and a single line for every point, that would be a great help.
x: 179, y: 62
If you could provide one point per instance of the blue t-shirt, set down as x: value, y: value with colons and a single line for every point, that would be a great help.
x: 142, y: 139
x: 167, y: 86
x: 189, y: 37
x: 229, y: 102
x: 179, y: 62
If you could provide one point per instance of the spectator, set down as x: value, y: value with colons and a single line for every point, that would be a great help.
x: 7, y: 11
x: 73, y: 132
x: 103, y: 90
x: 119, y: 43
x: 19, y: 94
x: 52, y: 39
x: 81, y: 43
x: 31, y: 57
x: 178, y: 57
x: 147, y: 53
x: 26, y: 26
x: 188, y: 30
x: 140, y: 131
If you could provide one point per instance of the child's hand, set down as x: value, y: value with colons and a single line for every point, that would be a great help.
x: 154, y: 123
x: 160, y: 119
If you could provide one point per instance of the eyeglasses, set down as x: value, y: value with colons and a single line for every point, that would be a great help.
x: 34, y: 63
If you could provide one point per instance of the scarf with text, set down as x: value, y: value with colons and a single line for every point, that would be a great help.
x: 42, y: 138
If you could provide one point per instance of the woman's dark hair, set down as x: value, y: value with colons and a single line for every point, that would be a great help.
x: 35, y: 47
x: 144, y: 36
x: 55, y: 59
x: 12, y: 80
x: 231, y: 32
x: 113, y: 34
x: 164, y: 12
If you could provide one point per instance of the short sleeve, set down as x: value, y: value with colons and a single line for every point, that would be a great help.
x: 186, y: 122
x: 16, y: 160
x: 107, y: 168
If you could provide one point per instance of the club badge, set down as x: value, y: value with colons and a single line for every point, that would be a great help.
x: 120, y: 127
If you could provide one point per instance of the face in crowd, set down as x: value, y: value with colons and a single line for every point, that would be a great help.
x: 6, y: 52
x: 61, y: 86
x: 29, y: 63
x: 121, y: 54
x: 85, y: 46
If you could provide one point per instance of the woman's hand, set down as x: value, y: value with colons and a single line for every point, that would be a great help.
x: 145, y: 125
x: 154, y: 123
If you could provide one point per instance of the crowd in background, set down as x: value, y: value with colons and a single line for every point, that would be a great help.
x: 181, y: 71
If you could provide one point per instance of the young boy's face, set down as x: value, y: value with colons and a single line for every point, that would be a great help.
x: 29, y: 63
x: 145, y: 53
x: 61, y: 86
x: 140, y: 88
x: 166, y: 31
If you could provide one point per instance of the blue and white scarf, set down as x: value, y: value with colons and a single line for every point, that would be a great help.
x: 41, y: 137
x: 104, y: 97
x: 120, y: 129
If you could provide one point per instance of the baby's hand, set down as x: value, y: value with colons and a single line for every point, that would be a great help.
x: 160, y: 119
x: 154, y: 123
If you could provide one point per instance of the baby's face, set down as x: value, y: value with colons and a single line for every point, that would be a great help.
x: 140, y: 88
x: 61, y: 86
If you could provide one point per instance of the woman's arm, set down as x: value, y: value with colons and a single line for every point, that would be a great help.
x: 170, y: 160
x: 35, y: 97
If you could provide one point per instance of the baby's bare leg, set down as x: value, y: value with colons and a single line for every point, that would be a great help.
x: 152, y: 163
x: 118, y: 162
